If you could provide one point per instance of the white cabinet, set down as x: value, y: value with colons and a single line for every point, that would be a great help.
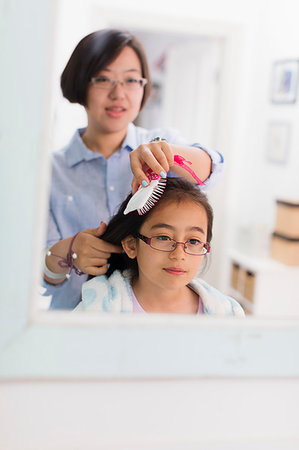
x: 263, y: 286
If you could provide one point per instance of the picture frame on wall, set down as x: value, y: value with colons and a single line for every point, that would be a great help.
x: 278, y: 142
x: 285, y: 81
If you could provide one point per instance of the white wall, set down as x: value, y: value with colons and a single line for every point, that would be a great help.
x: 277, y: 36
x: 151, y: 415
x: 208, y: 413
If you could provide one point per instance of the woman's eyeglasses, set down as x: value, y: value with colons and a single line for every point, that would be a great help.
x: 165, y: 244
x: 130, y: 84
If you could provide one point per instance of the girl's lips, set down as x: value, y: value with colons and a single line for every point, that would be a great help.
x: 174, y: 271
x: 115, y: 111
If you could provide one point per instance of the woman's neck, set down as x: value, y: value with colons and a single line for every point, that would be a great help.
x: 104, y: 143
x: 156, y: 300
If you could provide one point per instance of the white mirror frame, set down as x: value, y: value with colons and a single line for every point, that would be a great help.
x: 38, y: 345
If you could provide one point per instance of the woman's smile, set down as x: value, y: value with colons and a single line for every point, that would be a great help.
x: 115, y: 111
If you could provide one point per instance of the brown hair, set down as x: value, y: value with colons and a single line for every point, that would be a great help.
x: 94, y: 53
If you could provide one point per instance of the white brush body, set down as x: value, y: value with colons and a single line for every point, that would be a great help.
x: 146, y: 197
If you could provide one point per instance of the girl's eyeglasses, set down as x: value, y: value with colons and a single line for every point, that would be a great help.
x: 165, y: 244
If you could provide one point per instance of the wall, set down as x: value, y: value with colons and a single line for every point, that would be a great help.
x: 277, y: 36
x: 222, y: 414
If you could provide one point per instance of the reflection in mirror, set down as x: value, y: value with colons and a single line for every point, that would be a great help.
x: 93, y: 175
x: 112, y: 91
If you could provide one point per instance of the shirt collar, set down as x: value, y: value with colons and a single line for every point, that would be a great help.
x: 77, y: 151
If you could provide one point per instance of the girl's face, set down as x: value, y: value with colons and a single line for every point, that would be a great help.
x: 110, y: 111
x: 181, y: 222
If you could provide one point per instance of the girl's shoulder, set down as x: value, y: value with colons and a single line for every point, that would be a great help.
x: 214, y: 301
x: 104, y: 294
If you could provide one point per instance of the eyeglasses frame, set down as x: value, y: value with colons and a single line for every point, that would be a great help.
x: 122, y: 82
x: 147, y: 240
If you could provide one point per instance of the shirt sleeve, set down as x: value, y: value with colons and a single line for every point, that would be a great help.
x: 53, y: 234
x: 66, y: 294
x: 217, y: 165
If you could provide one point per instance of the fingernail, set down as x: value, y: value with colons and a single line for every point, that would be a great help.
x: 144, y: 183
x: 162, y: 174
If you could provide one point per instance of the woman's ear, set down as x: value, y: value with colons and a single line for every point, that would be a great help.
x: 130, y: 247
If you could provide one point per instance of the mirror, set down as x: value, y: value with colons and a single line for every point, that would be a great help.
x: 204, y: 109
x: 35, y: 343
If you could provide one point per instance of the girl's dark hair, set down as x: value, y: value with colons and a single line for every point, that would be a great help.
x: 94, y: 53
x: 121, y: 226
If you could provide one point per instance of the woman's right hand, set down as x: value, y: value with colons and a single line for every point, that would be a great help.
x: 158, y: 156
x: 92, y: 252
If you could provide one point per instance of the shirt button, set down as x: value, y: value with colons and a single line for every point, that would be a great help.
x: 111, y: 188
x: 70, y: 198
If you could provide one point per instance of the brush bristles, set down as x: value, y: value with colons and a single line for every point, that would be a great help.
x: 154, y: 197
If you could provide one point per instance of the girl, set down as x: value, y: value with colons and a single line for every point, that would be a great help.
x: 162, y: 252
x: 108, y: 75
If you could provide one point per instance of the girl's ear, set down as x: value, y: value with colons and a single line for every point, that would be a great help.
x: 130, y: 247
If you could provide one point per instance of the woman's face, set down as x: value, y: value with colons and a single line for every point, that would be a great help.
x: 110, y: 111
x: 181, y: 222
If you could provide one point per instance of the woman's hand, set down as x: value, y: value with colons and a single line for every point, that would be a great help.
x: 92, y: 252
x: 157, y: 156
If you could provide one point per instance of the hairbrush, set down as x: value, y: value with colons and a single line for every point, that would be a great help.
x: 146, y: 197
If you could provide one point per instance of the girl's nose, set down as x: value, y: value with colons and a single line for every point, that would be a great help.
x: 178, y: 252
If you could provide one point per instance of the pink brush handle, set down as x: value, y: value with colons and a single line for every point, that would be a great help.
x: 179, y: 161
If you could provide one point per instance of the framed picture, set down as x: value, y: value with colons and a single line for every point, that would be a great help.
x: 285, y: 81
x: 278, y: 142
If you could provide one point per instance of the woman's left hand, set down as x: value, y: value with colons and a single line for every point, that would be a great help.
x: 157, y: 156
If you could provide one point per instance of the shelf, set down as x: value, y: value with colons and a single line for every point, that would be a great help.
x: 255, y: 263
x: 264, y: 287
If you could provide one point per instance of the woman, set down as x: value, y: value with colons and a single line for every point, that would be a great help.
x: 107, y: 74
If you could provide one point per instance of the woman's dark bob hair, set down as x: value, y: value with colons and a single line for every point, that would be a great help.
x: 177, y: 190
x: 94, y: 53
